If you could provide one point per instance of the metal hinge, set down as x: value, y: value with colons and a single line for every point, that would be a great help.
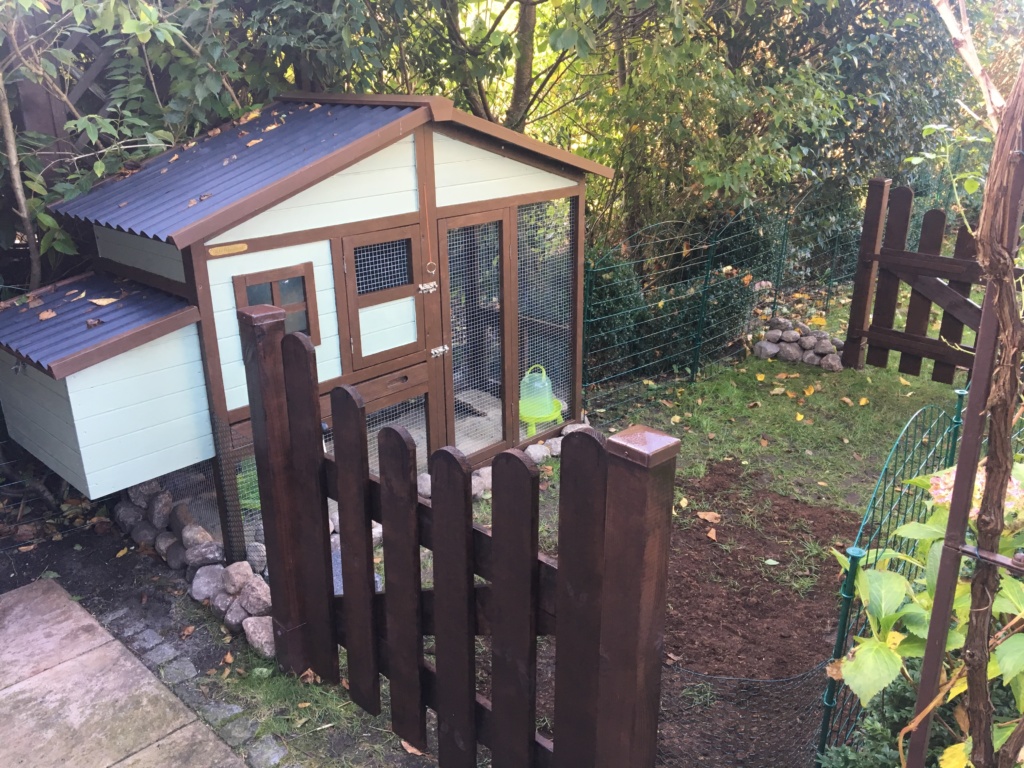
x: 352, y: 345
x: 438, y: 351
x: 430, y: 287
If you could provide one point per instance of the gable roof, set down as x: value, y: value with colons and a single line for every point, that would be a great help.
x: 61, y: 329
x: 188, y: 193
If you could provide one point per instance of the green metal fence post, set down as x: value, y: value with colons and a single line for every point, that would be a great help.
x: 695, y: 365
x: 856, y: 554
x: 781, y: 262
x: 958, y: 420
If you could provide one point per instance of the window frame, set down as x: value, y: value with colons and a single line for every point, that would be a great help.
x: 273, y: 277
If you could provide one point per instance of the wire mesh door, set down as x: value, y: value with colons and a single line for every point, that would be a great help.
x: 477, y: 364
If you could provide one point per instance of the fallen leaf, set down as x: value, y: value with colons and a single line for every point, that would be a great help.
x: 309, y: 677
x: 713, y: 535
x: 747, y: 278
x: 34, y: 303
x: 863, y: 401
x: 173, y: 158
x: 846, y: 400
x: 755, y: 404
x: 27, y: 548
x: 410, y: 748
x: 344, y: 683
x: 846, y: 441
x: 778, y: 391
x: 904, y: 382
x: 790, y: 395
x: 229, y: 658
x: 102, y: 302
x: 763, y: 442
x: 253, y: 143
x: 303, y: 704
x: 79, y: 296
x: 857, y: 456
x: 676, y: 419
x: 809, y: 390
x: 770, y: 561
x: 648, y: 383
x: 820, y: 321
x: 711, y: 435
x: 835, y: 670
x: 192, y: 202
x: 759, y: 376
x: 684, y: 503
x: 226, y: 672
x: 47, y: 314
x: 122, y: 553
x: 710, y: 517
x: 667, y: 403
x: 73, y: 290
x: 271, y: 127
x: 301, y: 722
x: 186, y: 633
x: 823, y: 483
x: 799, y: 416
x: 782, y: 376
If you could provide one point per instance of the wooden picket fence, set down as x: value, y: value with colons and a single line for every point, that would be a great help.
x: 603, y: 602
x: 884, y: 263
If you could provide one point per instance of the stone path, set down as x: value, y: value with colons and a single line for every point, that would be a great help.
x: 72, y: 695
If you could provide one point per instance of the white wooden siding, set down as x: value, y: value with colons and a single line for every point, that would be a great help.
x: 39, y: 417
x: 386, y: 326
x: 464, y: 173
x: 383, y: 184
x: 140, y: 252
x: 328, y: 353
x: 142, y: 413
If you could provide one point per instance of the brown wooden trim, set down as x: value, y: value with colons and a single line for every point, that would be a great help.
x: 934, y: 349
x: 473, y: 138
x: 315, y: 235
x: 273, y: 276
x: 165, y: 284
x: 931, y: 266
x: 124, y: 343
x: 268, y: 196
x: 440, y: 107
x: 197, y: 275
x: 578, y: 287
x: 388, y: 294
x: 394, y: 382
x: 465, y: 209
x: 510, y: 329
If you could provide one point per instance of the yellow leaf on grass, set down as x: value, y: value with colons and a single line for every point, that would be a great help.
x: 759, y: 376
x: 713, y: 535
x: 648, y: 383
x: 764, y: 442
x: 846, y: 400
x: 817, y: 321
x: 676, y: 419
x: 778, y: 391
x: 809, y: 391
x: 229, y: 658
x: 122, y: 553
x: 684, y: 503
x: 710, y: 517
x: 303, y: 704
x: 102, y: 302
x: 863, y: 401
x: 790, y: 395
x: 799, y: 416
x: 904, y: 382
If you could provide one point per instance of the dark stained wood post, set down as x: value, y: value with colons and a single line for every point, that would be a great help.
x: 867, y: 270
x: 887, y: 283
x: 638, y: 520
x: 301, y: 637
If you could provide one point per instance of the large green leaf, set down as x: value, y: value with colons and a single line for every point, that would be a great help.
x: 874, y: 665
x: 1010, y: 655
x: 886, y: 592
x: 1010, y: 597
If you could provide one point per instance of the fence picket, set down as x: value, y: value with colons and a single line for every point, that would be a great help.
x: 919, y: 307
x: 351, y: 490
x: 514, y: 586
x: 397, y: 452
x: 867, y: 270
x: 951, y: 329
x: 581, y: 508
x: 887, y: 286
x: 454, y: 608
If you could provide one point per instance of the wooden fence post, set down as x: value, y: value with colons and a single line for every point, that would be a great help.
x: 638, y: 521
x: 867, y: 270
x: 298, y: 589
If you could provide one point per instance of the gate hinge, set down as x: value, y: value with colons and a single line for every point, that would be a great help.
x: 438, y: 351
x: 430, y: 287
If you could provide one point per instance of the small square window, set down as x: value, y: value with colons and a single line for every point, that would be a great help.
x: 296, y: 321
x: 293, y: 290
x: 290, y: 288
x: 259, y: 294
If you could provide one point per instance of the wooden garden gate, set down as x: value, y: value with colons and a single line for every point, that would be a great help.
x: 884, y: 263
x: 603, y: 602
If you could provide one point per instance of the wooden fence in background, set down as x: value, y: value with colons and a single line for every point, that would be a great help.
x: 603, y: 602
x: 884, y: 263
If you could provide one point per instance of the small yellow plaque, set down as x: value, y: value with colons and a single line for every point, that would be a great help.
x: 228, y: 250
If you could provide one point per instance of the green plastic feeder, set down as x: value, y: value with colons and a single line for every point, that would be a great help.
x: 537, y: 402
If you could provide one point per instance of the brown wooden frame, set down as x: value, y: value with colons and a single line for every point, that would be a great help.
x: 273, y: 277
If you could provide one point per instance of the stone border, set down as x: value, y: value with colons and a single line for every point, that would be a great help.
x: 793, y: 341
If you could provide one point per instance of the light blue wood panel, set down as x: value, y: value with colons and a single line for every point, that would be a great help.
x: 140, y: 252
x: 389, y: 325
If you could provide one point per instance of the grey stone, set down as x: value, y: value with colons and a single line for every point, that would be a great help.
x: 130, y: 626
x: 824, y: 347
x: 143, y: 532
x: 486, y: 475
x: 780, y: 324
x: 256, y: 555
x: 765, y: 350
x: 220, y: 603
x: 207, y: 582
x: 790, y: 353
x: 555, y: 446
x: 259, y: 633
x: 161, y: 654
x: 193, y: 535
x: 258, y: 534
x: 539, y: 453
x: 126, y: 515
x: 819, y: 334
x: 159, y: 510
x: 790, y: 337
x: 332, y: 515
x: 838, y: 344
x: 810, y: 358
x: 112, y: 616
x: 204, y: 554
x: 235, y: 577
x: 802, y: 327
x: 423, y: 485
x: 237, y: 732
x: 568, y: 429
x: 266, y: 752
x: 832, y: 363
x: 807, y: 342
x: 185, y: 482
x: 178, y: 671
x: 478, y: 486
x: 139, y: 494
x: 145, y: 640
x: 235, y: 615
x: 216, y: 712
x: 175, y: 556
x: 163, y: 542
x: 335, y: 542
x: 774, y: 336
x: 255, y: 597
x: 180, y: 517
x: 377, y: 531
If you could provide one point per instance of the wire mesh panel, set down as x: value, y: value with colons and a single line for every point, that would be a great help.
x: 547, y: 249
x: 382, y: 265
x: 411, y: 414
x: 474, y: 268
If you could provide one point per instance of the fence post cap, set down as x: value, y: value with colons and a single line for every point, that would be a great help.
x: 643, y: 445
x: 260, y: 314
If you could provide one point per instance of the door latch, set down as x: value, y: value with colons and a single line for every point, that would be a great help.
x: 438, y: 351
x: 430, y: 287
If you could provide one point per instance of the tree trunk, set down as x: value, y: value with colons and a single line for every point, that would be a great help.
x: 20, y: 201
x: 526, y: 28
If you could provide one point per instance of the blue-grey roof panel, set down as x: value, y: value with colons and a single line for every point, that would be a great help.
x: 188, y: 184
x: 64, y: 320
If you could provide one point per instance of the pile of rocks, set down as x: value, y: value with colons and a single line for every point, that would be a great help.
x: 241, y: 599
x: 795, y: 342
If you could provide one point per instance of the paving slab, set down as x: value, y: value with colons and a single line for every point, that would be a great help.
x: 40, y: 628
x: 193, y: 745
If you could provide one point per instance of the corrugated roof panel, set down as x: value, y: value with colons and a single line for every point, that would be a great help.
x: 183, y: 186
x: 64, y: 320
